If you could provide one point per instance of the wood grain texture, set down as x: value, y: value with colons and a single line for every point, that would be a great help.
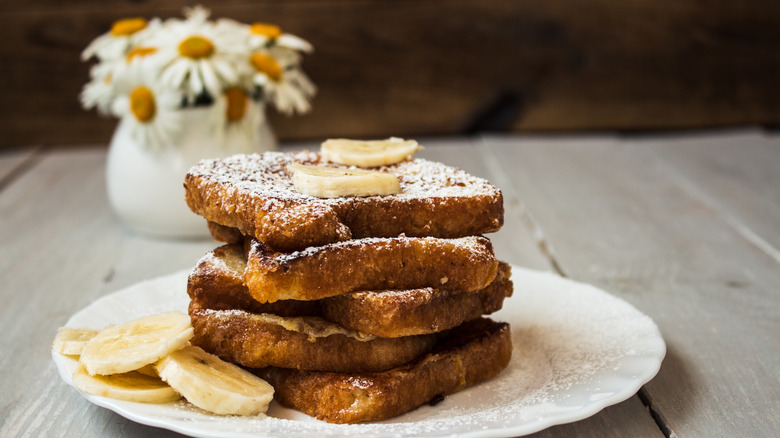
x: 628, y: 419
x: 741, y: 182
x: 13, y: 162
x: 441, y: 67
x: 62, y: 249
x: 615, y: 215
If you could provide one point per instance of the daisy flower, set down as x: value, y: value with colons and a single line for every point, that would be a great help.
x: 97, y: 94
x: 266, y: 35
x: 148, y: 58
x: 99, y: 91
x: 242, y: 118
x: 279, y: 75
x: 200, y: 54
x: 152, y: 73
x: 147, y: 106
x: 240, y: 30
x: 114, y: 44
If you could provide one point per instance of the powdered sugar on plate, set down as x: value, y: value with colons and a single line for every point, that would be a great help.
x: 577, y: 349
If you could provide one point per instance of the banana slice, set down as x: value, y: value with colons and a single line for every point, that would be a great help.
x: 330, y: 182
x: 71, y: 341
x: 148, y: 370
x: 368, y: 153
x: 132, y: 386
x: 214, y: 385
x: 127, y: 347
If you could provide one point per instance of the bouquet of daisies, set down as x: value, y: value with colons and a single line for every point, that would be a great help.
x: 148, y: 71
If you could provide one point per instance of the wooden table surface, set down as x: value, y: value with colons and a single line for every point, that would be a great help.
x: 685, y: 227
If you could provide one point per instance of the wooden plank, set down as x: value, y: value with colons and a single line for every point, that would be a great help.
x: 13, y: 162
x: 617, y: 217
x: 736, y: 173
x: 442, y: 67
x: 627, y: 419
x: 62, y: 249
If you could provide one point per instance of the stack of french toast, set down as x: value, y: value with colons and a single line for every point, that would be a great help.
x: 354, y: 280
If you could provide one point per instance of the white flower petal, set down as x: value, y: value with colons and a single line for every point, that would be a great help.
x: 175, y: 74
x: 257, y: 41
x: 196, y: 83
x: 121, y: 106
x: 210, y: 78
x: 302, y: 81
x: 226, y: 71
x: 294, y: 42
x: 97, y: 94
x: 262, y: 79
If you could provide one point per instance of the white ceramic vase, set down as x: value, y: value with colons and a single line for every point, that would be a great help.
x: 145, y: 186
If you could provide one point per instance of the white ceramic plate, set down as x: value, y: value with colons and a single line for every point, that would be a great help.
x: 577, y: 350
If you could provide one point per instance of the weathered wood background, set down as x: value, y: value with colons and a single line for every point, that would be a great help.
x: 429, y: 67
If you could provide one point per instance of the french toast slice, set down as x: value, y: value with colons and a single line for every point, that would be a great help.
x: 416, y: 311
x: 255, y: 194
x: 216, y: 283
x: 464, y: 264
x: 471, y: 353
x: 260, y: 340
x: 224, y: 234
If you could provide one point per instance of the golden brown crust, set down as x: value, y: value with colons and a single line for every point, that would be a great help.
x: 255, y: 195
x: 224, y: 234
x: 216, y: 283
x: 464, y: 264
x: 474, y: 352
x: 281, y: 225
x: 250, y: 340
x: 416, y: 311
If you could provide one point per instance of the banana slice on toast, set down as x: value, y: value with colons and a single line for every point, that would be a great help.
x: 368, y: 153
x: 332, y: 182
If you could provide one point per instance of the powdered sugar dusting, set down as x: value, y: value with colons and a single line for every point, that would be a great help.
x: 577, y: 350
x: 478, y: 246
x: 266, y: 176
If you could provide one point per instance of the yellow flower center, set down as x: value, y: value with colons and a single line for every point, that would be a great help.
x: 236, y: 103
x: 196, y: 47
x: 128, y: 26
x: 140, y: 51
x: 268, y: 30
x: 142, y: 104
x: 268, y: 65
